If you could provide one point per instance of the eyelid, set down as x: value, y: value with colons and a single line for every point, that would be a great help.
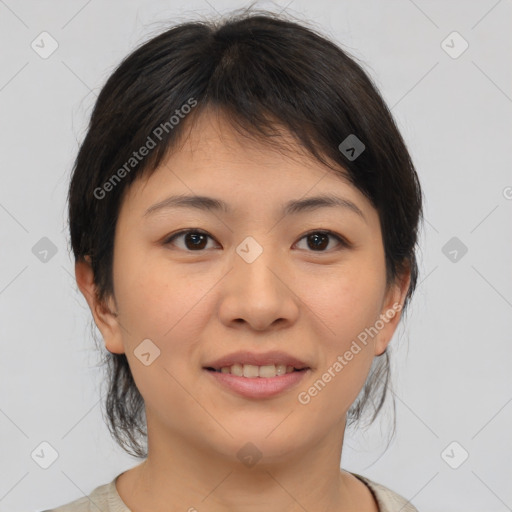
x: 342, y: 241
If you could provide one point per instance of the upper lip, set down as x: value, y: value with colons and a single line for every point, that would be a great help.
x: 253, y: 358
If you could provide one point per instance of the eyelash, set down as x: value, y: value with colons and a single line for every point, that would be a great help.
x: 342, y: 241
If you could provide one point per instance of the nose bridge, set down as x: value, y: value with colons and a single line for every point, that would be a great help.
x: 255, y: 261
x: 257, y: 290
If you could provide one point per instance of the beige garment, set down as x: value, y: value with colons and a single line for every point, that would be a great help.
x: 105, y: 498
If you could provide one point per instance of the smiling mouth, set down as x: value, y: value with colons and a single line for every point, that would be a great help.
x: 251, y: 371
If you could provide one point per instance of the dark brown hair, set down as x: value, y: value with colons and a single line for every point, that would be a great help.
x: 266, y: 73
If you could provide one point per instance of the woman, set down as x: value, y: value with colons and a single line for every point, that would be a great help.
x: 243, y: 214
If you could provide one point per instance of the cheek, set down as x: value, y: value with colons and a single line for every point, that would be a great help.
x: 166, y: 304
x: 342, y: 306
x: 342, y: 311
x: 154, y: 292
x: 344, y: 302
x: 171, y: 309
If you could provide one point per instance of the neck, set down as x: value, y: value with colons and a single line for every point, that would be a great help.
x: 180, y: 474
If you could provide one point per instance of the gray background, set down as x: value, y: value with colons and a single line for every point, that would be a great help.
x: 451, y: 356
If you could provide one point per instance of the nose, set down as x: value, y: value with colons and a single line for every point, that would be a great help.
x: 259, y: 293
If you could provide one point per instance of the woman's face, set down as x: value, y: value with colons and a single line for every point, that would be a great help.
x: 253, y: 283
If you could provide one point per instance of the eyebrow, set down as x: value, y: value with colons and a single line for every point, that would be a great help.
x: 290, y: 208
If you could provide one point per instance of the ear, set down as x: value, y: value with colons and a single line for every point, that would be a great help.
x: 104, y: 315
x: 391, y: 311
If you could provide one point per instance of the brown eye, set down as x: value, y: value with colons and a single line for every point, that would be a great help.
x: 318, y: 241
x: 194, y: 240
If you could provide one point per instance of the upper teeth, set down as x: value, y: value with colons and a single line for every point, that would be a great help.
x: 251, y: 371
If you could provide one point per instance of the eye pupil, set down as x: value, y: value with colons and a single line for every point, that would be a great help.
x: 196, y: 238
x: 317, y: 243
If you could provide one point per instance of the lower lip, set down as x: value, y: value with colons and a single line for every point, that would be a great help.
x: 259, y: 387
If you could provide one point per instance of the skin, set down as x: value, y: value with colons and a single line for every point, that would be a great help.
x: 200, y: 304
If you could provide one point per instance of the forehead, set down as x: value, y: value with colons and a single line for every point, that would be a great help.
x: 214, y: 137
x: 213, y: 158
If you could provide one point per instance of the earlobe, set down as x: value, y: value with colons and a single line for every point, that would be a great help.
x: 391, y: 313
x: 104, y: 314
